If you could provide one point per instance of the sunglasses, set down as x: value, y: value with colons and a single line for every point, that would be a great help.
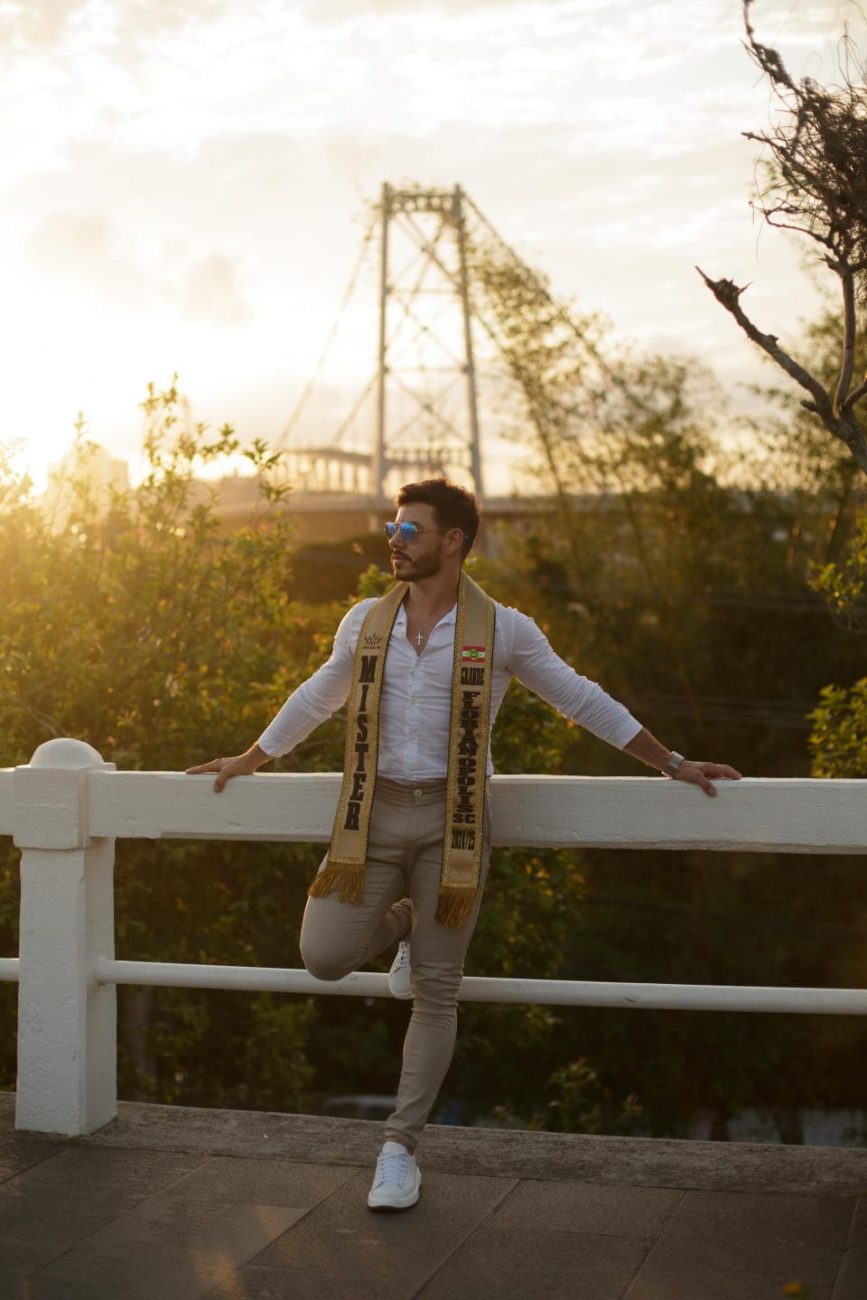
x: 409, y: 532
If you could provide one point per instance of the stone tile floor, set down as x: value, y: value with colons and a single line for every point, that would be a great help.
x: 173, y: 1204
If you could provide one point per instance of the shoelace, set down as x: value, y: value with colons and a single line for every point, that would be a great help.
x: 393, y: 1167
x: 403, y: 958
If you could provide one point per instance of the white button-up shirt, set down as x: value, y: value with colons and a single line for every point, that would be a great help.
x: 415, y: 705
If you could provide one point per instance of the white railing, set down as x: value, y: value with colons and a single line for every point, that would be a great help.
x: 67, y: 807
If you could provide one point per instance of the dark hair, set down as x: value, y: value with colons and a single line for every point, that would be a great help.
x: 453, y: 506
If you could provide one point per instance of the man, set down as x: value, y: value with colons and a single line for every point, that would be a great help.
x: 424, y: 669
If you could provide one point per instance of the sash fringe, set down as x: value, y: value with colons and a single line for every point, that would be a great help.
x: 455, y: 905
x: 346, y: 879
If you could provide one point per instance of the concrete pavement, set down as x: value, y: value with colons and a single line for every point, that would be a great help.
x: 173, y: 1204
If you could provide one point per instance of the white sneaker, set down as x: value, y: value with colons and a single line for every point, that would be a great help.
x: 397, y: 1180
x: 400, y: 975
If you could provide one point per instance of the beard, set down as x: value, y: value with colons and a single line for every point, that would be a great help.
x: 413, y: 570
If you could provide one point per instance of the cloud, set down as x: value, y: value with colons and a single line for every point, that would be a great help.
x: 45, y: 24
x: 27, y: 24
x: 86, y: 252
x: 212, y: 291
x: 339, y: 12
x: 156, y: 15
x: 71, y: 241
x: 178, y: 169
x: 83, y: 256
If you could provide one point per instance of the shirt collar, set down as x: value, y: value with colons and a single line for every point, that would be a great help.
x: 445, y: 621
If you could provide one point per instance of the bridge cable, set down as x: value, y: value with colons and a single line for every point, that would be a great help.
x: 317, y: 369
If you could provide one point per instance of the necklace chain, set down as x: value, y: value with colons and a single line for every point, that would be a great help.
x: 423, y: 629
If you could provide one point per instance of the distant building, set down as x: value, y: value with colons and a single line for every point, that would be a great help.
x: 87, y: 464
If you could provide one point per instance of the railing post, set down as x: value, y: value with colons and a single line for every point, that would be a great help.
x: 67, y: 1024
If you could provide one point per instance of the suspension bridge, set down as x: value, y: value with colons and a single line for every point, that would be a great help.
x: 448, y: 385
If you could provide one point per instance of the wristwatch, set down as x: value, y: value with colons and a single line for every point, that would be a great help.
x: 673, y: 763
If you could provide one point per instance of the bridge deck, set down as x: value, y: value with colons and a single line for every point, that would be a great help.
x: 179, y: 1203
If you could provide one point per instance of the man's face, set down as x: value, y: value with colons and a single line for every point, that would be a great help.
x: 423, y: 556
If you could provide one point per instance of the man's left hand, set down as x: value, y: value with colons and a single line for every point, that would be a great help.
x: 703, y: 774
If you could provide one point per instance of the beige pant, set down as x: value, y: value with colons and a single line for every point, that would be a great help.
x: 404, y: 857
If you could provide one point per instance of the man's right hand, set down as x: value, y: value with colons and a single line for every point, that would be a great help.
x: 241, y: 765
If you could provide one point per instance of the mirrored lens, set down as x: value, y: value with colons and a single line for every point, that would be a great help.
x: 407, y: 531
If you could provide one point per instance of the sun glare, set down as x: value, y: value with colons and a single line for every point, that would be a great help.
x: 183, y: 192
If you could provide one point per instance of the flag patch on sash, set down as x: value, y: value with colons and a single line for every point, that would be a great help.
x: 474, y: 654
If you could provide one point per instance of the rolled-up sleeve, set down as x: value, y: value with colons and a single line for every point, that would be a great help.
x: 536, y: 666
x: 320, y: 696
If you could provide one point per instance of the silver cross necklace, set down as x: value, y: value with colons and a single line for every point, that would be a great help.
x: 421, y: 634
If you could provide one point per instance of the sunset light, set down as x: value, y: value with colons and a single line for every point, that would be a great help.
x: 433, y: 597
x: 185, y: 190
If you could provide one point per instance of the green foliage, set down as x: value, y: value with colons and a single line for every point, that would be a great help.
x: 681, y: 579
x: 797, y: 454
x: 233, y: 1050
x: 325, y: 571
x: 141, y: 626
x: 581, y: 1103
x: 132, y: 621
x: 373, y: 582
x: 843, y: 582
x: 838, y: 741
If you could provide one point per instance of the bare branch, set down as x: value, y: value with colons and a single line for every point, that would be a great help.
x: 856, y: 395
x: 768, y: 60
x: 769, y: 215
x: 847, y: 367
x: 814, y: 174
x: 728, y: 294
x: 811, y: 180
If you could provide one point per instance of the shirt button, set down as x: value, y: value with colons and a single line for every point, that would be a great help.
x: 418, y: 794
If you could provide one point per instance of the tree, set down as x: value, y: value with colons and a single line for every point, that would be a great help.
x: 158, y: 638
x: 815, y: 184
x: 684, y: 593
x: 145, y: 630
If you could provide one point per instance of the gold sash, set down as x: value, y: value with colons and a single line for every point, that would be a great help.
x: 469, y: 725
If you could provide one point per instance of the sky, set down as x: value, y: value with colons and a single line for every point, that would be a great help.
x: 184, y: 184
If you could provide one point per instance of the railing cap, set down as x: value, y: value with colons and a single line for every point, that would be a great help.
x: 67, y: 753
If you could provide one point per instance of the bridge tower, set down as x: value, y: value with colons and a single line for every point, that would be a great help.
x: 426, y: 419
